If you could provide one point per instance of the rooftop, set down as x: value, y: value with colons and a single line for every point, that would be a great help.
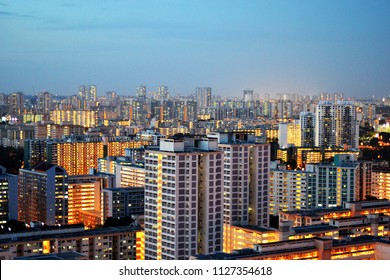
x: 43, y: 166
x: 60, y: 233
x: 257, y: 228
x: 314, y: 228
x: 317, y: 211
x: 58, y: 256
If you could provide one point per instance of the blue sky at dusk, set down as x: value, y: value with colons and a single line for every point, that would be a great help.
x: 304, y: 47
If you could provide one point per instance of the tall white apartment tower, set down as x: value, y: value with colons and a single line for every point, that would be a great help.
x: 246, y: 178
x: 336, y: 124
x: 183, y: 199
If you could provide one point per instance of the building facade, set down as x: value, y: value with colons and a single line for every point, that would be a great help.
x: 8, y: 196
x: 43, y: 194
x: 336, y: 124
x: 183, y: 199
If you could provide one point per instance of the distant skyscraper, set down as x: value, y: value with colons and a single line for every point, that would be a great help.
x: 16, y: 103
x: 83, y: 92
x: 141, y: 93
x: 336, y: 124
x: 88, y: 93
x: 185, y: 110
x: 162, y: 93
x: 111, y: 96
x: 3, y: 98
x: 92, y: 93
x: 203, y: 95
x: 326, y: 96
x: 248, y: 95
x: 44, y: 102
x: 138, y: 112
x: 307, y: 121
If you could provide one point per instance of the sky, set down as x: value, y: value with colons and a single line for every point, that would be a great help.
x: 271, y: 47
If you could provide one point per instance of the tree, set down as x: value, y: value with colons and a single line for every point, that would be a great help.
x: 11, y: 158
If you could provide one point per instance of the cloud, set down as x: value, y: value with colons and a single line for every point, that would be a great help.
x: 3, y: 13
x: 16, y: 15
x: 118, y: 25
x: 68, y: 5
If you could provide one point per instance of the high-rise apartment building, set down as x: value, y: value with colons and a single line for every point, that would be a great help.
x: 129, y: 175
x: 327, y: 96
x: 289, y: 134
x: 34, y: 152
x: 15, y: 103
x: 183, y: 199
x: 336, y: 183
x: 108, y: 164
x: 366, y: 179
x: 248, y: 95
x: 138, y: 112
x: 307, y: 122
x: 141, y: 93
x: 185, y: 110
x: 85, y: 118
x: 78, y: 156
x: 44, y: 100
x: 320, y: 185
x: 246, y: 178
x: 92, y: 93
x: 162, y: 93
x: 203, y: 97
x: 8, y: 196
x: 123, y: 202
x: 84, y: 200
x: 88, y: 93
x: 292, y: 190
x: 127, y: 172
x: 43, y: 194
x: 381, y: 182
x: 305, y: 155
x: 336, y: 124
x: 47, y: 129
x: 111, y: 96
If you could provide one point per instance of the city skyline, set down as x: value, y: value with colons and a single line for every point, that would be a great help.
x: 304, y: 47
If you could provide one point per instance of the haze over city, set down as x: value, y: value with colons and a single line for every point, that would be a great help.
x: 193, y: 130
x: 304, y: 47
